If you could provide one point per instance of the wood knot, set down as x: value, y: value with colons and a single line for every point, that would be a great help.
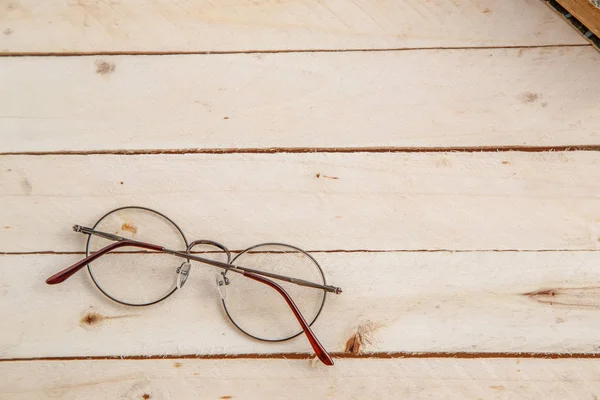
x: 364, y: 335
x: 530, y: 97
x: 129, y: 227
x: 326, y: 176
x: 91, y: 318
x: 578, y: 297
x: 354, y: 344
x: 146, y: 396
x: 104, y: 67
x: 545, y: 292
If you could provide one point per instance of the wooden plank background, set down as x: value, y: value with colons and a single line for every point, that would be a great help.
x: 410, y: 302
x: 89, y: 26
x: 358, y: 201
x: 480, y: 97
x: 273, y: 378
x: 438, y: 158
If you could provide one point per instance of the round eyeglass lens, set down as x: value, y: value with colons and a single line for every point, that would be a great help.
x: 132, y: 275
x: 260, y: 311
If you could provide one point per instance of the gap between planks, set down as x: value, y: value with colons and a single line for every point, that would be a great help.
x: 50, y: 252
x: 302, y: 356
x: 302, y: 150
x: 293, y: 51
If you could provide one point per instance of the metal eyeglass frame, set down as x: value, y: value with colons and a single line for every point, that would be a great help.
x: 257, y: 275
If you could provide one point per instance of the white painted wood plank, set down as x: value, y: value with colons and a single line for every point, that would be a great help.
x: 158, y: 25
x: 405, y: 302
x: 434, y: 98
x: 397, y: 201
x: 281, y: 379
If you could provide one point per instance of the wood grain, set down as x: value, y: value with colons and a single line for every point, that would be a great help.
x: 81, y: 26
x: 585, y: 12
x: 374, y: 379
x: 366, y: 74
x: 399, y: 302
x: 396, y: 201
x: 414, y: 99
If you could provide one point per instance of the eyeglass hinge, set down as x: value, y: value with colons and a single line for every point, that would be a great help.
x: 225, y: 280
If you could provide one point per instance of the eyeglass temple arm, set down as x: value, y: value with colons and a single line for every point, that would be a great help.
x: 68, y: 272
x: 65, y: 274
x: 314, y: 342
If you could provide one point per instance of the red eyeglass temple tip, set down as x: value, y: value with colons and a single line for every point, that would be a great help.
x: 53, y: 280
x: 326, y: 359
x: 66, y: 273
x: 314, y: 342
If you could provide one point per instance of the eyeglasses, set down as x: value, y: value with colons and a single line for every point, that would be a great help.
x: 132, y: 277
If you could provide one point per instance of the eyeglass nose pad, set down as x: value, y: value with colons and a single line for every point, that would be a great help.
x: 222, y: 282
x: 183, y: 272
